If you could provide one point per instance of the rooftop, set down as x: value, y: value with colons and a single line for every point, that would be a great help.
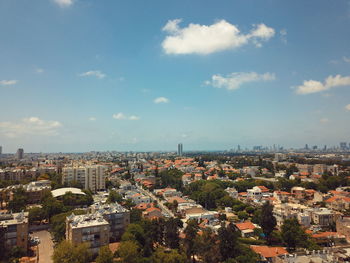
x: 88, y: 220
x: 63, y: 191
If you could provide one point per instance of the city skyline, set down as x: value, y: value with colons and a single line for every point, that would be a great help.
x: 82, y: 75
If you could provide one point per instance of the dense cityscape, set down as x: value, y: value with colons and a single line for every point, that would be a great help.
x: 262, y: 205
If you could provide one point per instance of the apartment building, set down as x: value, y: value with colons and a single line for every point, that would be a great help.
x: 90, y: 228
x: 16, y: 229
x: 289, y: 210
x: 322, y: 216
x: 116, y: 215
x: 343, y: 226
x: 90, y: 177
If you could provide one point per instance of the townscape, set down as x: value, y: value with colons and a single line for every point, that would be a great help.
x: 183, y: 131
x: 236, y: 206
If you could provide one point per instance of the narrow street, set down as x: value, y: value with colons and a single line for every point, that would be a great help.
x: 160, y: 203
x: 45, y: 246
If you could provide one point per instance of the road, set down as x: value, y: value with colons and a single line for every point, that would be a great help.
x: 160, y: 203
x: 45, y: 246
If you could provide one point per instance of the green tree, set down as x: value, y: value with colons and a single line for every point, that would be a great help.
x: 242, y: 215
x: 156, y: 231
x: 171, y: 236
x: 105, y: 255
x: 135, y: 215
x: 228, y: 242
x: 113, y: 197
x: 134, y: 232
x: 36, y: 214
x: 19, y: 200
x: 51, y: 206
x: 129, y: 252
x: 207, y: 246
x: 268, y: 221
x: 168, y: 256
x: 247, y: 256
x: 66, y: 252
x: 190, y: 236
x: 293, y: 235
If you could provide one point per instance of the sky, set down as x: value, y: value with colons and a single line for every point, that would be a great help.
x: 83, y: 75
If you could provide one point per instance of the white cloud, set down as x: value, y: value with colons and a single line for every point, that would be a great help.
x: 8, y: 82
x: 64, y: 3
x: 203, y: 39
x: 134, y: 118
x: 92, y: 119
x: 324, y: 120
x: 30, y: 126
x: 95, y: 73
x: 346, y: 59
x: 234, y: 80
x: 122, y: 116
x: 119, y: 116
x: 313, y: 86
x: 39, y: 70
x: 347, y: 107
x: 161, y: 100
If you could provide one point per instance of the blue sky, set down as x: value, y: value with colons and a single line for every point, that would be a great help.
x: 81, y: 75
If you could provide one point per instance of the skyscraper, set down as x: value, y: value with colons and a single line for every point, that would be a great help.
x: 0, y: 150
x: 343, y: 145
x: 179, y: 149
x: 19, y: 154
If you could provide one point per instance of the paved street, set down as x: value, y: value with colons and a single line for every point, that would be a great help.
x: 154, y: 198
x: 45, y: 246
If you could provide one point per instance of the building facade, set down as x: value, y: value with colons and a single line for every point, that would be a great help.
x: 91, y: 228
x: 20, y: 154
x: 15, y: 227
x: 90, y: 177
x: 117, y: 216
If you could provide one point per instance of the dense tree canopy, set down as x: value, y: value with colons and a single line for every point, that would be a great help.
x: 66, y: 252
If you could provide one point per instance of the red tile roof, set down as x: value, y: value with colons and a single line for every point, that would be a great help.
x: 245, y: 225
x: 269, y: 252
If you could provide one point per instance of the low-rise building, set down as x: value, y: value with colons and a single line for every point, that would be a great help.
x: 152, y: 212
x: 322, y: 217
x: 232, y: 192
x: 338, y: 202
x: 343, y: 227
x: 289, y: 210
x: 137, y: 198
x: 167, y: 192
x: 16, y: 229
x: 268, y: 254
x: 91, y: 228
x: 246, y: 228
x: 298, y: 192
x: 116, y: 215
x: 257, y: 192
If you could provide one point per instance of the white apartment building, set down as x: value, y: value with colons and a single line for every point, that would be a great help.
x: 90, y: 177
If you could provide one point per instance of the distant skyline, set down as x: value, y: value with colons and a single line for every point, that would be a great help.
x: 83, y: 75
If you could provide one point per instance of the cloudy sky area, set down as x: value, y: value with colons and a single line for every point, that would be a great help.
x: 81, y: 75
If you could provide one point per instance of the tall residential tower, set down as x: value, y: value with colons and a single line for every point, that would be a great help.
x: 179, y: 149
